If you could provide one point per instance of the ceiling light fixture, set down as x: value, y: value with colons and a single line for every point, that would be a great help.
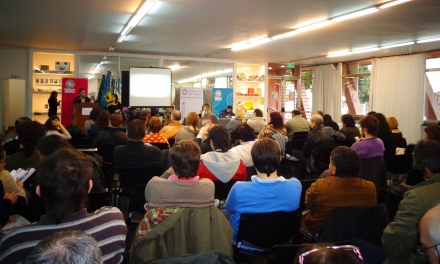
x: 397, y: 45
x: 251, y: 44
x: 314, y: 26
x: 339, y: 53
x: 365, y: 50
x: 355, y: 14
x: 285, y: 35
x: 175, y: 67
x: 392, y: 4
x: 428, y: 40
x: 121, y: 38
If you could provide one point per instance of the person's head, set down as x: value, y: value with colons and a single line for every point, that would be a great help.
x: 258, y: 112
x: 328, y: 254
x: 2, y: 158
x: 296, y: 112
x: 319, y: 112
x: 115, y: 120
x: 327, y: 118
x: 65, y: 180
x: 102, y: 119
x: 229, y: 109
x: 348, y: 120
x: 315, y: 120
x: 205, y: 107
x: 432, y: 133
x: 94, y: 113
x: 371, y: 113
x: 136, y: 129
x: 219, y: 136
x: 430, y: 234
x: 427, y: 158
x: 48, y: 145
x: 154, y: 124
x: 209, y: 119
x: 176, y: 115
x: 115, y: 98
x: 370, y: 125
x: 82, y: 92
x: 344, y: 162
x: 193, y: 120
x: 382, y: 120
x: 276, y: 120
x: 185, y: 158
x: 239, y: 114
x: 29, y: 134
x: 20, y: 121
x: 266, y: 155
x: 72, y: 246
x: 244, y: 133
x: 54, y: 94
x: 392, y: 122
x: 48, y: 124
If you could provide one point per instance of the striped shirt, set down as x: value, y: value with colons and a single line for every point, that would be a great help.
x: 106, y: 225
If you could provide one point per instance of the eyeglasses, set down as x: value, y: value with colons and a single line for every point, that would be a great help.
x: 423, y: 250
x: 343, y: 247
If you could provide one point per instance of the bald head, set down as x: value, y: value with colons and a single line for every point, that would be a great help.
x: 430, y: 233
x: 176, y: 115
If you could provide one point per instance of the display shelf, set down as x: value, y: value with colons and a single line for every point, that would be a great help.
x: 254, y: 81
x: 54, y: 73
x: 250, y: 86
x: 248, y: 97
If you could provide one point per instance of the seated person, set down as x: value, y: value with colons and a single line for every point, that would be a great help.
x: 205, y: 110
x: 431, y: 133
x: 221, y: 164
x: 370, y: 146
x: 296, y: 124
x: 430, y: 234
x: 227, y: 113
x: 65, y: 182
x: 208, y: 121
x: 342, y: 188
x: 349, y: 129
x: 135, y: 154
x: 238, y: 120
x: 171, y: 129
x: 53, y: 126
x: 155, y: 136
x: 12, y: 144
x: 245, y: 136
x: 111, y: 135
x: 100, y: 124
x: 275, y: 126
x: 267, y: 192
x: 328, y: 121
x: 92, y: 119
x: 191, y: 130
x: 257, y: 121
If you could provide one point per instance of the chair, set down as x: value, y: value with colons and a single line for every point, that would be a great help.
x: 97, y: 200
x: 137, y: 201
x: 106, y: 152
x: 414, y: 177
x: 400, y: 142
x: 264, y: 230
x: 366, y: 223
x: 305, y: 186
x: 318, y: 161
x: 300, y: 135
x: 171, y: 141
x: 161, y: 146
x: 374, y: 170
x: 222, y: 189
x: 392, y: 200
x: 295, y: 144
x: 250, y: 172
x: 400, y: 164
x: 131, y: 177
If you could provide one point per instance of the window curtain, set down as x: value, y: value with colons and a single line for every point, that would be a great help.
x: 397, y: 89
x: 327, y: 90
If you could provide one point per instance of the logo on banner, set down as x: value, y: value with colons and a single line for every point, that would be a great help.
x: 70, y: 86
x: 218, y: 95
x: 184, y: 92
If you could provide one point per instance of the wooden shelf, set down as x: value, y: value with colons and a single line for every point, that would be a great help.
x: 249, y: 97
x: 255, y: 81
x: 53, y: 73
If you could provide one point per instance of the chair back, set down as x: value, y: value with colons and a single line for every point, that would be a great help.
x: 131, y: 177
x: 366, y: 223
x: 346, y: 142
x: 305, y: 186
x: 400, y: 164
x: 414, y: 177
x: 97, y: 200
x: 374, y: 170
x: 318, y: 161
x: 295, y: 144
x: 265, y: 230
x: 171, y: 141
x: 300, y: 135
x: 106, y: 152
x: 161, y: 146
x: 81, y: 142
x: 222, y: 189
x: 251, y: 171
x: 137, y: 201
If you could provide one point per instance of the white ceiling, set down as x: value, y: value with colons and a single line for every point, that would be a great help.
x: 206, y: 28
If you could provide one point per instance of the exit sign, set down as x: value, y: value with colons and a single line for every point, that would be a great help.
x: 291, y: 65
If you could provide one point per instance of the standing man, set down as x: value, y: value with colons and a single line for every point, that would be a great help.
x: 296, y: 124
x: 82, y: 98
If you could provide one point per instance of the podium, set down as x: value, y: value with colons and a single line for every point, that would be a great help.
x: 81, y: 113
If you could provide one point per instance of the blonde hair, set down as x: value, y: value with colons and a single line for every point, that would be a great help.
x: 239, y: 114
x: 392, y: 122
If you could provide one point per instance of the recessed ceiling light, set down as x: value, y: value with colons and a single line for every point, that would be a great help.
x: 282, y: 66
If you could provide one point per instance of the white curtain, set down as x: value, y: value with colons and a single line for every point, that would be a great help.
x: 327, y: 90
x: 397, y: 89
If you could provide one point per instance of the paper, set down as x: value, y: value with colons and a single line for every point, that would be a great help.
x: 86, y: 111
x: 20, y: 221
x: 23, y: 175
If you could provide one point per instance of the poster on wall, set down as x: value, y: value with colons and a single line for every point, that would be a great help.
x: 70, y: 90
x: 221, y: 98
x: 191, y: 100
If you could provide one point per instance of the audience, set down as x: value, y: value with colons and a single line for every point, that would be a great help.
x: 100, y: 124
x: 349, y: 129
x: 191, y: 129
x: 238, y: 120
x: 208, y: 121
x: 92, y: 119
x: 71, y: 246
x: 257, y: 122
x: 111, y: 135
x: 328, y: 121
x: 275, y: 126
x: 154, y: 135
x: 171, y: 129
x: 430, y: 235
x: 65, y: 182
x: 12, y: 144
x: 370, y: 146
x: 400, y: 238
x: 246, y: 139
x: 342, y: 188
x: 53, y: 126
x: 267, y: 192
x: 220, y: 164
x: 296, y: 124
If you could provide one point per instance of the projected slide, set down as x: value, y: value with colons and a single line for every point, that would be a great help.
x: 150, y: 87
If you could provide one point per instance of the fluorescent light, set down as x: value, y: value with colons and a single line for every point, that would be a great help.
x: 314, y: 26
x: 356, y: 14
x: 135, y: 20
x: 285, y: 35
x: 428, y: 40
x: 260, y: 41
x: 339, y: 53
x: 270, y: 68
x: 175, y: 67
x: 126, y: 30
x: 251, y: 44
x: 282, y: 66
x: 392, y: 4
x: 146, y: 7
x: 397, y: 45
x: 121, y: 38
x: 365, y: 50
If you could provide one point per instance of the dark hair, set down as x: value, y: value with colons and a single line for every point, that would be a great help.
x: 2, y: 152
x: 382, y: 120
x: 209, y: 117
x: 243, y: 132
x: 296, y: 112
x: 276, y: 120
x: 154, y: 124
x: 326, y: 255
x: 115, y: 120
x: 266, y: 155
x: 426, y: 155
x: 319, y: 112
x: 219, y: 135
x: 433, y: 132
x: 348, y: 120
x: 327, y: 118
x: 102, y: 119
x: 371, y: 113
x: 258, y: 112
x: 29, y: 134
x: 48, y: 124
x: 48, y: 145
x: 371, y: 124
x: 346, y: 160
x: 94, y: 113
x: 192, y: 119
x: 53, y: 95
x: 185, y: 158
x: 229, y: 107
x: 116, y: 97
x: 82, y: 89
x: 136, y: 129
x: 64, y: 182
x: 20, y: 121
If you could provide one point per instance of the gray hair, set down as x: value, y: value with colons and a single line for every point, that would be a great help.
x: 209, y: 117
x: 176, y: 115
x: 317, y: 119
x: 71, y: 246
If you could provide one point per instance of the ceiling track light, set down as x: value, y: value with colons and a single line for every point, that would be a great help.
x: 365, y: 50
x: 355, y: 14
x: 392, y: 4
x: 251, y: 44
x: 397, y: 45
x: 428, y: 40
x: 340, y: 53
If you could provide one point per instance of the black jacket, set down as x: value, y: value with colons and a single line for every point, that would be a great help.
x: 321, y: 137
